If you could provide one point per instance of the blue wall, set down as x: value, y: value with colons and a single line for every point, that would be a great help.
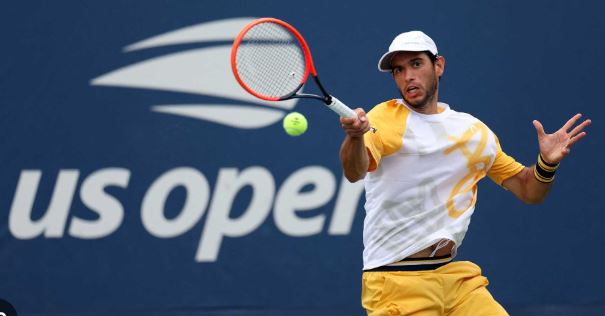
x: 167, y: 210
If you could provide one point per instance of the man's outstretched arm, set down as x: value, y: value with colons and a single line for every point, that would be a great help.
x: 532, y: 184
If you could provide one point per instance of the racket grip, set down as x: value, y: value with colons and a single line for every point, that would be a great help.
x: 341, y: 109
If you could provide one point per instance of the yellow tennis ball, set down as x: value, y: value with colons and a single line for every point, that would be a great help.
x: 295, y: 124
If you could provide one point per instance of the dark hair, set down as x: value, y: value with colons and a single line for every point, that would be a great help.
x: 432, y: 57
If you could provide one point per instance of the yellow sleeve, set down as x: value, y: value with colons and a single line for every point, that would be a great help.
x: 388, y: 121
x: 504, y: 166
x: 374, y: 146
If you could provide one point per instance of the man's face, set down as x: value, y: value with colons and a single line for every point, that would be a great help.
x: 417, y: 77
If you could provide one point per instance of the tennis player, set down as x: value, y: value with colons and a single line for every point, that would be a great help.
x: 421, y: 161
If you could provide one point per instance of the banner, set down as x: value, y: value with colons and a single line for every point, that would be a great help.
x: 138, y: 177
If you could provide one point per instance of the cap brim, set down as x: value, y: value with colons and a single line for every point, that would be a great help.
x: 384, y: 64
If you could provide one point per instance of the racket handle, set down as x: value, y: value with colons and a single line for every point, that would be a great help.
x: 341, y: 109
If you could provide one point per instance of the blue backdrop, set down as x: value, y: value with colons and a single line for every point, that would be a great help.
x: 137, y: 179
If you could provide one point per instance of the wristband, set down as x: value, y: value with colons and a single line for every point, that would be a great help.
x: 545, y: 172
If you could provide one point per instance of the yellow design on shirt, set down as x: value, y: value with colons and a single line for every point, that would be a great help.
x: 477, y: 163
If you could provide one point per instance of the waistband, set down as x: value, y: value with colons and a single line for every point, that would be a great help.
x: 414, y: 264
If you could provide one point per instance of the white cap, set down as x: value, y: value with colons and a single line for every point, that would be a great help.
x: 413, y: 41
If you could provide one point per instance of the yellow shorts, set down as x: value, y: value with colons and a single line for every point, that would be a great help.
x: 454, y: 289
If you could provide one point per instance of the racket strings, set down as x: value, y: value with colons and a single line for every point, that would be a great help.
x: 270, y: 60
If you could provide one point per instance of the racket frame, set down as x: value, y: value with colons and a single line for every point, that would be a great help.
x: 309, y: 66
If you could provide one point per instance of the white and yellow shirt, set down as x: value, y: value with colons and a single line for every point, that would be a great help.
x: 422, y: 184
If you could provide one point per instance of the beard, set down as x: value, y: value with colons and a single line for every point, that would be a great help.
x: 428, y: 97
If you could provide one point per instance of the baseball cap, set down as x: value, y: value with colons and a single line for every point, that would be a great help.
x: 412, y: 41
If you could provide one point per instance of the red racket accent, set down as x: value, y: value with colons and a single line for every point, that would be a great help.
x: 272, y: 61
x: 258, y: 77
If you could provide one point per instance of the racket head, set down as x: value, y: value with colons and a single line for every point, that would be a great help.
x: 270, y: 59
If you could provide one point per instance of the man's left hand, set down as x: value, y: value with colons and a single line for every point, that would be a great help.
x: 554, y: 147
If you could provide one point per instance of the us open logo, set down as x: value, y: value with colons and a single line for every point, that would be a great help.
x: 199, y: 71
x: 206, y: 72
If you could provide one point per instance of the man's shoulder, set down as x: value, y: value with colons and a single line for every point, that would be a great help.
x: 467, y: 119
x: 388, y: 106
x: 465, y: 116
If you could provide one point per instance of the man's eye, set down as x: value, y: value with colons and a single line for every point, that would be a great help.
x: 416, y: 64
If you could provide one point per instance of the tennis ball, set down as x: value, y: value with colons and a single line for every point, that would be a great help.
x: 295, y: 124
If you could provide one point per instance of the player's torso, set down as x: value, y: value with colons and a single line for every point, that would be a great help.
x: 429, y: 182
x: 437, y: 151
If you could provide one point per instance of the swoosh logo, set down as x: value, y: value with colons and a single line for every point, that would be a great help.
x: 200, y: 71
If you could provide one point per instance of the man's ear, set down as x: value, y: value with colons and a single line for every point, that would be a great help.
x: 440, y: 66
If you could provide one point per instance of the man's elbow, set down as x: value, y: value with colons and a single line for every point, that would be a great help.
x: 354, y: 177
x: 534, y: 199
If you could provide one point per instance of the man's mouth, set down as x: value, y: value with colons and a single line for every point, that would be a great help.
x: 412, y: 91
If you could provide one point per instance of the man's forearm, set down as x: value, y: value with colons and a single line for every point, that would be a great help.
x: 354, y: 158
x: 535, y: 191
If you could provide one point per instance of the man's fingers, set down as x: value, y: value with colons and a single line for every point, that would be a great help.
x: 360, y: 112
x: 539, y: 128
x: 352, y: 125
x: 361, y: 116
x: 356, y: 126
x: 354, y: 132
x: 347, y: 120
x: 571, y: 122
x: 579, y: 128
x: 575, y: 139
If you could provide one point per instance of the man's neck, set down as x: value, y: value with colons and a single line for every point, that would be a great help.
x: 428, y: 109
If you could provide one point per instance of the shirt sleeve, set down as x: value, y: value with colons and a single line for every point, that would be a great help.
x: 373, y: 144
x: 504, y: 166
x: 389, y: 123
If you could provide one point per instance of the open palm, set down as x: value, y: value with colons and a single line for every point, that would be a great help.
x: 554, y: 147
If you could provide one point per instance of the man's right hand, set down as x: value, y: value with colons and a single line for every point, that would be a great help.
x: 355, y: 127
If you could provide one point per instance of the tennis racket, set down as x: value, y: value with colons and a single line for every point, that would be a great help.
x: 272, y: 61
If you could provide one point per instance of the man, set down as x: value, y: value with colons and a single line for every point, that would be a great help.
x: 421, y: 161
